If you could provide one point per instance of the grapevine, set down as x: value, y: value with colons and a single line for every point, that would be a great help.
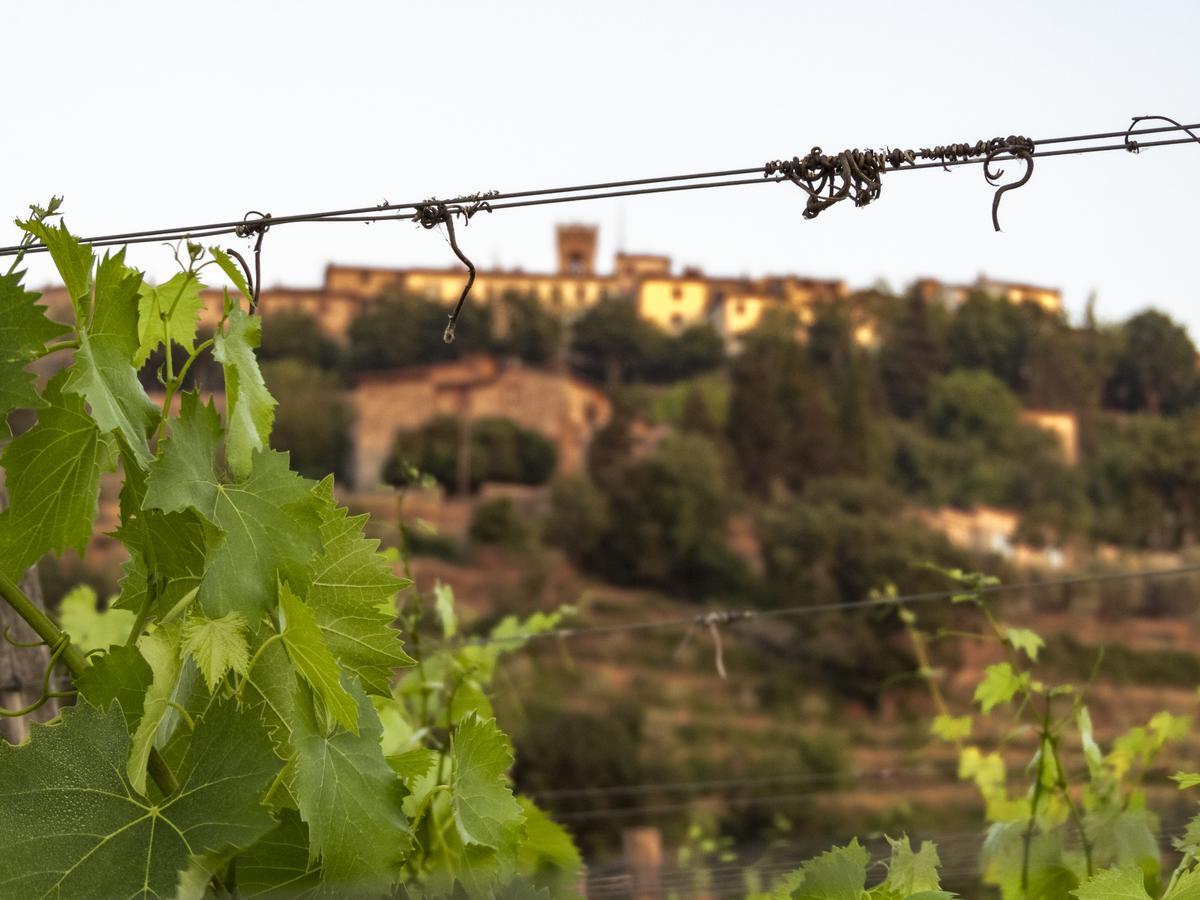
x: 246, y: 735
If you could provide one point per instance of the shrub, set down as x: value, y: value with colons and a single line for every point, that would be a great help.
x: 499, y: 521
x: 500, y: 450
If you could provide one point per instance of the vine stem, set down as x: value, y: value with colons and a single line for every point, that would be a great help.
x: 76, y: 662
x: 1076, y: 818
x: 1027, y: 838
x: 59, y: 345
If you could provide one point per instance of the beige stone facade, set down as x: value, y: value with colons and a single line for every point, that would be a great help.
x: 673, y: 302
x: 933, y: 290
x: 1063, y: 426
x: 562, y: 408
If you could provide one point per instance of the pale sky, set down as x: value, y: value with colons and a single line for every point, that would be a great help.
x: 153, y: 114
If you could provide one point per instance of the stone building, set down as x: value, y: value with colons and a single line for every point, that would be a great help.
x: 672, y: 301
x: 563, y: 409
x: 933, y: 290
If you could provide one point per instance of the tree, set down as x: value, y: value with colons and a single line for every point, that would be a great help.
x: 667, y: 515
x: 401, y: 330
x: 520, y: 326
x: 911, y: 355
x: 782, y: 421
x: 699, y: 348
x: 294, y: 334
x: 1144, y: 480
x: 995, y: 334
x: 579, y: 519
x: 612, y: 343
x: 1155, y: 369
x: 972, y: 405
x: 610, y: 340
x: 313, y: 421
x: 835, y: 542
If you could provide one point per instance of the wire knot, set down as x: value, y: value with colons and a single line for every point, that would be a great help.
x: 721, y: 617
x: 259, y: 226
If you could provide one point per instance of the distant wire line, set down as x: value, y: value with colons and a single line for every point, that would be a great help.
x: 855, y: 776
x: 596, y: 191
x: 736, y: 615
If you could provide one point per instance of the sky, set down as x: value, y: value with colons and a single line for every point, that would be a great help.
x: 151, y: 114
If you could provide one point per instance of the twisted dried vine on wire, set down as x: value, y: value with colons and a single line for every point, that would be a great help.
x: 857, y: 175
x: 435, y: 212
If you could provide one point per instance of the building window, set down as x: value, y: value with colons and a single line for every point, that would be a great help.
x: 676, y: 320
x: 579, y: 292
x: 677, y: 293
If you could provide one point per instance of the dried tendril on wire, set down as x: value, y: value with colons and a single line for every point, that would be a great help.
x: 857, y: 175
x: 433, y: 213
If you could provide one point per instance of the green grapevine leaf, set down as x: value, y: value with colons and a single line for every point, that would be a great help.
x: 951, y: 728
x: 1186, y: 888
x: 1186, y: 780
x: 231, y: 269
x: 413, y: 764
x: 485, y: 810
x: 169, y: 311
x: 251, y: 406
x: 172, y: 545
x: 270, y: 521
x: 1048, y: 882
x: 160, y: 649
x: 278, y: 866
x: 548, y: 856
x: 121, y: 674
x: 1000, y: 683
x: 53, y: 476
x: 313, y: 661
x: 1189, y: 841
x: 1029, y: 642
x: 1127, y: 836
x: 909, y: 872
x: 217, y: 645
x: 351, y: 584
x: 443, y: 599
x: 1114, y: 884
x: 72, y: 259
x: 1087, y: 740
x: 351, y: 801
x: 103, y: 372
x: 1139, y: 745
x: 72, y: 825
x: 89, y: 627
x: 837, y: 874
x: 24, y: 332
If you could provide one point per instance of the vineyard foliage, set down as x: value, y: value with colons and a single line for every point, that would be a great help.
x: 1078, y: 825
x: 236, y: 727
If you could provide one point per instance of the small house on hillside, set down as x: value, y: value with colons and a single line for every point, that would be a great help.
x: 560, y: 407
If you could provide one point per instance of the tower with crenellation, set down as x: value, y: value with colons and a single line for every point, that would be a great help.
x: 576, y: 249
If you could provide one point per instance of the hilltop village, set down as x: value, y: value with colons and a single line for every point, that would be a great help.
x: 552, y: 398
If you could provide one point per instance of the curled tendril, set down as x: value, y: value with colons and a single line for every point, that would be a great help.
x: 828, y: 179
x: 433, y: 213
x: 47, y: 695
x: 1016, y: 148
x: 14, y: 642
x: 1134, y: 147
